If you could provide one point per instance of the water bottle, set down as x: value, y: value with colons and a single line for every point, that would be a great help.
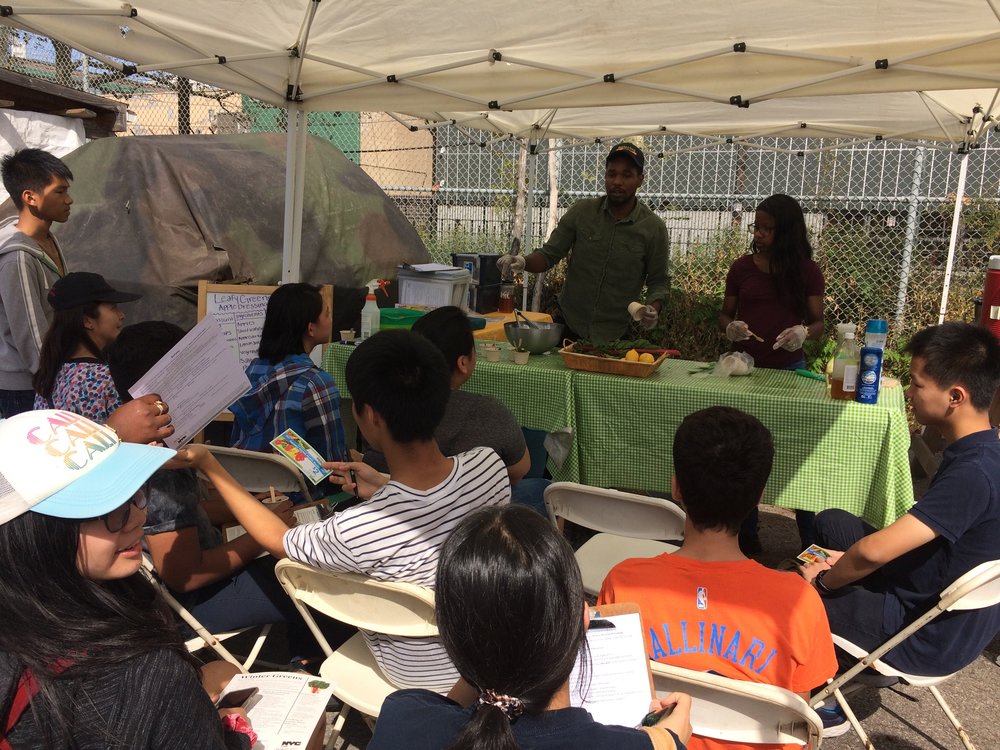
x: 869, y: 375
x: 875, y: 333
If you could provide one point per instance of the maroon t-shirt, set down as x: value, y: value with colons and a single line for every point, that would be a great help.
x: 767, y: 313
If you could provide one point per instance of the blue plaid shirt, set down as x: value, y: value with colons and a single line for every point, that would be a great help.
x: 297, y: 394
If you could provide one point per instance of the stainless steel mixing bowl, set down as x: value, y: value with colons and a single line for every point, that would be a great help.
x: 535, y: 340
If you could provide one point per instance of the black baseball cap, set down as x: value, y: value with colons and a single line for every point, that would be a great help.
x: 629, y: 151
x: 81, y: 288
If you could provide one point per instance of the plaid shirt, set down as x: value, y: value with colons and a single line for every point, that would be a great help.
x: 297, y: 394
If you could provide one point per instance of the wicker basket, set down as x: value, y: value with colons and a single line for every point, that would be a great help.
x: 589, y: 363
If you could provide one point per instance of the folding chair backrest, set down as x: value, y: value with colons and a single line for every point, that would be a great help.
x: 388, y: 607
x: 978, y: 588
x: 257, y: 471
x: 614, y: 512
x: 741, y: 711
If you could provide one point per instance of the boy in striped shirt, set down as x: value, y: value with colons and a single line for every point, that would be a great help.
x: 399, y: 383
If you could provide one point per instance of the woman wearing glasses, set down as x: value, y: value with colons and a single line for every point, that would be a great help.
x: 774, y: 295
x: 89, y: 657
x: 773, y: 303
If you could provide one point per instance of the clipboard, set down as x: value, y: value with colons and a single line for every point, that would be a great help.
x: 620, y: 685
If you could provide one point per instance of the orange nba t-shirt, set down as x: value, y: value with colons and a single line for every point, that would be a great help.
x: 737, y: 619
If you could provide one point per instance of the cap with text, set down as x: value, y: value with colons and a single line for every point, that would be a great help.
x: 629, y: 151
x: 60, y: 464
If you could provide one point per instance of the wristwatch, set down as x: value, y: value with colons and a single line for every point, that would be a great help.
x: 822, y: 587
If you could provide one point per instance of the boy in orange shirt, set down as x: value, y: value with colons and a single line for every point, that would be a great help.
x: 707, y: 606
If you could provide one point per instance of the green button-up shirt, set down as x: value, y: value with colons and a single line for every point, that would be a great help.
x: 612, y: 260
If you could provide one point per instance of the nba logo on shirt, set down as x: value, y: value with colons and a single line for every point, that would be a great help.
x: 702, y: 598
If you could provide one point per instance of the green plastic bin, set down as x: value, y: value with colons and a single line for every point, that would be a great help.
x: 399, y: 318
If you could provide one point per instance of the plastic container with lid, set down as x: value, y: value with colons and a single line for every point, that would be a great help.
x: 435, y: 289
x: 875, y: 333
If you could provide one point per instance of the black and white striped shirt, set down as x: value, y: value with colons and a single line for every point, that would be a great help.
x: 396, y: 536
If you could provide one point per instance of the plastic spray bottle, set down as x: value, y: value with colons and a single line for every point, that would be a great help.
x: 371, y: 317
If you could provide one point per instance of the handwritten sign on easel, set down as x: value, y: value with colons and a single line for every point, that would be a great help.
x: 239, y: 310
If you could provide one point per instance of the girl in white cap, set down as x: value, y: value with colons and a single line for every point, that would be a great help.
x: 89, y: 657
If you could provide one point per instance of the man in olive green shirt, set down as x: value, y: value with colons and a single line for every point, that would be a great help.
x: 618, y: 246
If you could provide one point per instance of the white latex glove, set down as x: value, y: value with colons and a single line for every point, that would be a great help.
x: 791, y: 338
x: 510, y: 264
x: 737, y: 331
x: 648, y: 317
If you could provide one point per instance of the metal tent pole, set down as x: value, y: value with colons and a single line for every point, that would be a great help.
x: 529, y: 210
x: 956, y: 217
x: 294, y: 189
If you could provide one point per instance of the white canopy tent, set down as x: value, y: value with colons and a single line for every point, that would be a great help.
x: 905, y: 69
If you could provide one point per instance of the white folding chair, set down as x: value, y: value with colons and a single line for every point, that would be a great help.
x: 741, y: 711
x: 204, y: 638
x: 257, y: 471
x: 391, y: 608
x: 628, y: 526
x: 977, y: 589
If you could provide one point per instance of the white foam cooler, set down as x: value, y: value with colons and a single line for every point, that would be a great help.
x: 434, y: 288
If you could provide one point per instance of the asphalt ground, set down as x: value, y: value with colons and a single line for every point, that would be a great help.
x: 896, y: 718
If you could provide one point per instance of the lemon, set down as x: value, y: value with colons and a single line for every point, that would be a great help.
x: 647, y: 358
x: 631, y: 356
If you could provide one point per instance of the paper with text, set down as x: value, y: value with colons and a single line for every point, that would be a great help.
x: 286, y: 710
x: 200, y: 377
x: 618, y: 690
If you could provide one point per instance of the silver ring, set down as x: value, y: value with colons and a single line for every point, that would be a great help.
x: 160, y: 408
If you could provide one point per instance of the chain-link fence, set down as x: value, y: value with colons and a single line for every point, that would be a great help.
x: 879, y: 213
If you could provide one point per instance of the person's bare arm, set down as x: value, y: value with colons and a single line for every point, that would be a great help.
x: 873, y: 551
x: 184, y: 566
x: 261, y: 524
x: 814, y: 317
x: 516, y: 471
x: 535, y: 262
x: 728, y: 314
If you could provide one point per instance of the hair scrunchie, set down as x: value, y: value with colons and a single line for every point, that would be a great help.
x: 511, y: 707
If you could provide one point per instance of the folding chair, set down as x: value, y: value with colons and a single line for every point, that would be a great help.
x: 257, y: 471
x: 204, y: 638
x: 628, y: 524
x: 977, y: 589
x: 741, y: 711
x: 390, y: 608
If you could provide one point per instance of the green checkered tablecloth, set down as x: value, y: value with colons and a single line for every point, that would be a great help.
x: 539, y: 394
x: 828, y: 454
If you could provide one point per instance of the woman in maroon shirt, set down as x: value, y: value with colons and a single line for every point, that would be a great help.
x: 776, y: 292
x: 776, y: 295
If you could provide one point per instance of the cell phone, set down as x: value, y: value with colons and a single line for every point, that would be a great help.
x: 654, y: 716
x: 237, y: 698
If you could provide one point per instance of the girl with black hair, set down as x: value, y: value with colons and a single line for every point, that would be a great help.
x: 512, y: 616
x: 776, y: 292
x: 89, y: 656
x: 287, y: 388
x: 72, y: 366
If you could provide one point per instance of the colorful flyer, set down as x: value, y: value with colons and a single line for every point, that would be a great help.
x: 305, y: 458
x: 812, y: 554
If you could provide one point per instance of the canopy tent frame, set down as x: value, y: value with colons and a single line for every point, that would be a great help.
x: 883, y: 68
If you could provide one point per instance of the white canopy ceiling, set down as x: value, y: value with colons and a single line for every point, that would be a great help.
x: 610, y: 67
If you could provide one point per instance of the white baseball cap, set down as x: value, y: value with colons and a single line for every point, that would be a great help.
x: 60, y: 464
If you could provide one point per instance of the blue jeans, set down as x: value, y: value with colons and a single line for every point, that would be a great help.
x: 530, y: 492
x: 15, y: 402
x: 855, y: 611
x: 254, y: 597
